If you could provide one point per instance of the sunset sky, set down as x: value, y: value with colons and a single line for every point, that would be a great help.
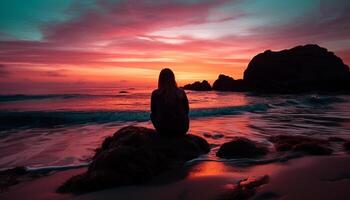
x: 87, y: 43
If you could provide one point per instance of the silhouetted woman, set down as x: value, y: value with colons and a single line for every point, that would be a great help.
x: 169, y: 106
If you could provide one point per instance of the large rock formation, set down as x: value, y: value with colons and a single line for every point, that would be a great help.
x: 134, y: 155
x: 300, y: 69
x: 240, y: 147
x: 227, y: 83
x: 198, y: 86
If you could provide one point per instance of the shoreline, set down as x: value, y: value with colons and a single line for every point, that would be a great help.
x: 312, y: 177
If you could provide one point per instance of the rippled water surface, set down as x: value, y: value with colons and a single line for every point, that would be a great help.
x: 64, y: 129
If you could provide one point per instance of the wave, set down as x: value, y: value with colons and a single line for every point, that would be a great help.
x: 23, y: 97
x: 41, y: 119
x: 317, y: 100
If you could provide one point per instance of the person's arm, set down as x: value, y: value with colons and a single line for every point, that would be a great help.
x: 185, y: 103
x: 153, y: 103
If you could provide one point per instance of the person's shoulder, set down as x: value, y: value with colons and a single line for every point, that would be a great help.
x: 181, y: 92
x: 155, y: 92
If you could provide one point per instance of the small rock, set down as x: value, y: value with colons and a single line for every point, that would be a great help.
x: 198, y: 86
x: 218, y: 136
x: 241, y: 147
x: 11, y: 177
x: 227, y: 83
x: 246, y: 188
x: 123, y: 92
x: 302, y: 144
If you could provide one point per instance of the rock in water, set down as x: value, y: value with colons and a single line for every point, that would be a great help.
x: 198, y: 86
x: 11, y: 177
x: 241, y: 147
x: 306, y: 145
x: 227, y: 83
x: 134, y: 155
x: 300, y: 69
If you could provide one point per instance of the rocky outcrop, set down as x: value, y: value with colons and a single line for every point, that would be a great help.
x: 300, y: 69
x: 302, y: 144
x: 227, y: 83
x: 135, y: 155
x: 198, y: 86
x: 240, y: 147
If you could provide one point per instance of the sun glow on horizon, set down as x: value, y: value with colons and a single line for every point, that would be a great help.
x: 129, y: 42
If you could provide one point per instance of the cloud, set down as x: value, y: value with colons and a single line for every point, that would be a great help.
x: 136, y: 38
x: 3, y: 71
x: 55, y: 73
x: 129, y: 18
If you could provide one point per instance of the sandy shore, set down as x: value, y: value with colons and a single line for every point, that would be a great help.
x: 303, y: 178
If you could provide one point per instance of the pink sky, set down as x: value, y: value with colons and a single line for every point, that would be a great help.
x: 127, y: 43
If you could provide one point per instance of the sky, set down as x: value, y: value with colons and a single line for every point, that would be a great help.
x: 112, y: 43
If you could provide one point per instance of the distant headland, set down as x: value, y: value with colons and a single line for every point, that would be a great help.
x: 308, y: 68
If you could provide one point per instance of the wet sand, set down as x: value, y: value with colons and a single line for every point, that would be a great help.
x: 304, y: 178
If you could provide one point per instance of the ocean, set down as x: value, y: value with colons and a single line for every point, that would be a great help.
x: 63, y: 128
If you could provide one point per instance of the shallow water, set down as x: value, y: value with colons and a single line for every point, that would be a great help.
x: 63, y: 129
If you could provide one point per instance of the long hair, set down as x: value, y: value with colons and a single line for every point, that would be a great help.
x: 167, y: 87
x: 166, y: 81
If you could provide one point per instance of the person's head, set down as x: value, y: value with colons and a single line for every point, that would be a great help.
x: 166, y: 79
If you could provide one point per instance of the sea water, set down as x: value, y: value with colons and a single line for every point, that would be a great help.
x: 63, y: 128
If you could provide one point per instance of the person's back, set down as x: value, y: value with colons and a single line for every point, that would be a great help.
x: 169, y: 106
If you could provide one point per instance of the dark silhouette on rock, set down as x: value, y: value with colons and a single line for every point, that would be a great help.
x: 300, y: 69
x: 134, y: 155
x: 301, y: 144
x: 241, y: 147
x: 198, y: 86
x: 169, y: 106
x: 227, y: 83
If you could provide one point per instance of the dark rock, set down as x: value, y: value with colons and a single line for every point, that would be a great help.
x: 213, y: 136
x: 227, y: 83
x: 123, y: 92
x: 347, y: 146
x: 300, y: 69
x: 11, y: 177
x: 198, y: 86
x: 217, y: 136
x: 241, y: 147
x: 302, y: 144
x: 135, y: 155
x: 245, y: 188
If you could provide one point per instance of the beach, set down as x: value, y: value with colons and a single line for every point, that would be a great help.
x: 176, y: 99
x: 314, y: 177
x: 61, y: 139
